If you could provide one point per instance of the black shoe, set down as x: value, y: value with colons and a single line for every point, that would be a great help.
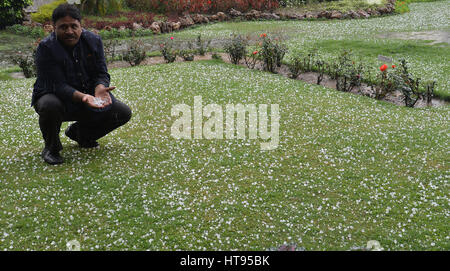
x: 51, y: 158
x: 70, y: 133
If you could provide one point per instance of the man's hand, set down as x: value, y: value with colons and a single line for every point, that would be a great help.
x: 92, y: 101
x: 102, y: 92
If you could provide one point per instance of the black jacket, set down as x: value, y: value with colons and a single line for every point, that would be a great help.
x: 62, y: 71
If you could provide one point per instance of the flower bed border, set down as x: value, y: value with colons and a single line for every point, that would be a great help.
x: 188, y: 20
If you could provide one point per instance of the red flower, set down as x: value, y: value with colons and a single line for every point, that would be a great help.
x: 255, y: 52
x: 393, y: 66
x: 263, y: 35
x: 383, y: 67
x: 171, y: 38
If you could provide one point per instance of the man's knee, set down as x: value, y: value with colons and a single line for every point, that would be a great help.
x: 49, y: 105
x: 123, y: 113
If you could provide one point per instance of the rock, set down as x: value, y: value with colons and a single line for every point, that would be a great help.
x: 107, y: 28
x: 310, y: 15
x: 354, y: 15
x: 186, y: 21
x: 390, y: 8
x: 155, y: 28
x: 235, y: 13
x: 324, y: 14
x: 383, y: 10
x: 300, y: 16
x: 347, y: 15
x: 165, y: 27
x: 214, y: 18
x: 176, y: 26
x: 270, y: 16
x: 282, y: 16
x: 363, y: 14
x: 48, y: 28
x: 137, y: 26
x: 335, y: 15
x: 122, y: 27
x: 253, y: 15
x: 222, y: 16
x: 199, y: 19
x: 373, y: 12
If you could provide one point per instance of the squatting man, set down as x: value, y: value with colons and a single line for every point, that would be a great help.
x: 73, y: 85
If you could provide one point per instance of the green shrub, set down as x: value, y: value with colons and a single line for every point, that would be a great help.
x: 401, y: 7
x: 101, y: 7
x: 44, y: 13
x: 25, y: 60
x: 187, y: 55
x: 169, y: 54
x: 236, y: 49
x: 272, y: 53
x: 35, y: 32
x: 125, y: 33
x: 11, y: 11
x: 135, y: 52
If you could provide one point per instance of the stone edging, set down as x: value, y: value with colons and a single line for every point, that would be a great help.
x: 189, y: 20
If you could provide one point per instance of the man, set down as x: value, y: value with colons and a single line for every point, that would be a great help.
x: 73, y: 85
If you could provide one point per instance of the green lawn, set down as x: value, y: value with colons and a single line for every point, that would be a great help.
x: 364, y: 37
x: 348, y: 169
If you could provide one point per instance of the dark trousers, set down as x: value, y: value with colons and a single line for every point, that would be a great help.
x: 89, y: 125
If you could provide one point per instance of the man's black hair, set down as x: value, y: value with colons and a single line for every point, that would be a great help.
x: 64, y: 10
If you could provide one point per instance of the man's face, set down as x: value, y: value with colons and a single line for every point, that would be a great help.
x: 68, y: 31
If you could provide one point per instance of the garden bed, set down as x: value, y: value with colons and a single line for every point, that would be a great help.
x: 137, y: 23
x: 395, y: 97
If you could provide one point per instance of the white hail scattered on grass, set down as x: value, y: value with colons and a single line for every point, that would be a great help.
x: 347, y: 168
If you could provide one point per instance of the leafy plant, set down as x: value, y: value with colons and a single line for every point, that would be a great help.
x: 272, y: 53
x: 202, y: 47
x: 401, y: 7
x: 251, y: 59
x: 25, y: 60
x: 216, y: 56
x: 236, y: 49
x: 135, y: 52
x: 347, y: 72
x: 407, y: 84
x: 35, y: 32
x: 169, y: 54
x: 429, y: 91
x: 302, y: 62
x: 44, y: 13
x: 100, y: 7
x: 187, y: 55
x: 321, y: 69
x: 11, y: 11
x: 110, y: 49
x: 201, y: 6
